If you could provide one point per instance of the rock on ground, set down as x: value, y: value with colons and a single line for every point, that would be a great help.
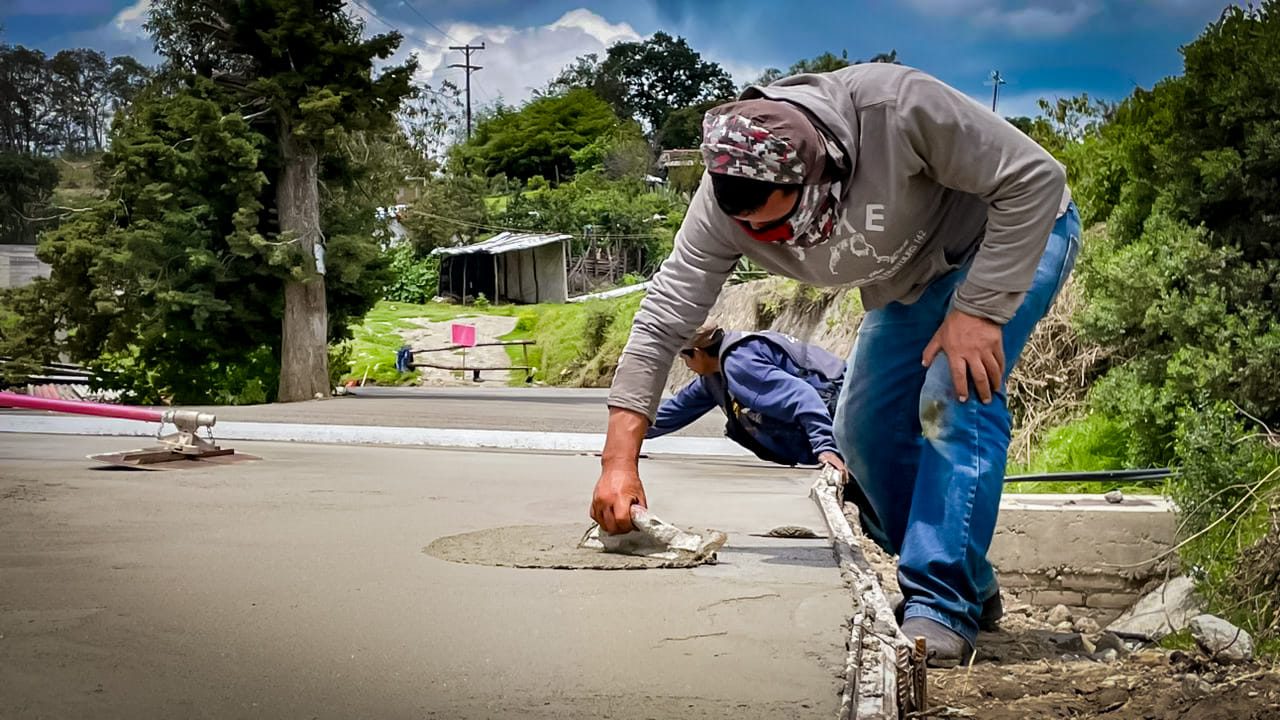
x: 1220, y: 639
x: 1059, y: 614
x: 1161, y: 612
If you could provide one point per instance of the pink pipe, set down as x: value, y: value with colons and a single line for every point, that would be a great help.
x: 77, y: 407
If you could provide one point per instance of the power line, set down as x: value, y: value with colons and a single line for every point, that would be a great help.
x: 484, y: 92
x: 395, y: 27
x: 376, y: 16
x: 424, y: 19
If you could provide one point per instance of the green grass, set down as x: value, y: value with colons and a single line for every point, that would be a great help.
x: 578, y: 345
x: 1091, y: 443
x: 1181, y: 640
x: 376, y: 339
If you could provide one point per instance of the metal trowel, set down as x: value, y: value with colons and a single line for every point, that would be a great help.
x: 656, y: 539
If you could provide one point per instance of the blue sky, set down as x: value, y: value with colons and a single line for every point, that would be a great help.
x: 1043, y: 47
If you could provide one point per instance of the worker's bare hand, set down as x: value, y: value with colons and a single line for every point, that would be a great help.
x: 618, y: 488
x: 832, y: 459
x: 974, y: 347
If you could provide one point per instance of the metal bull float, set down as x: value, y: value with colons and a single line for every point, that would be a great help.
x: 183, y: 448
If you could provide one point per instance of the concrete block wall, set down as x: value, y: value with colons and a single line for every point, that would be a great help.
x: 1081, y: 551
x: 19, y: 266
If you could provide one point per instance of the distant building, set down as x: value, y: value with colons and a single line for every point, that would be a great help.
x: 508, y: 267
x: 679, y: 158
x: 19, y: 266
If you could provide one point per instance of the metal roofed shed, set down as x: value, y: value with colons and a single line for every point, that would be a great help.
x: 508, y: 267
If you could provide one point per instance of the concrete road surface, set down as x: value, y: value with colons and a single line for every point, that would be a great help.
x: 296, y: 587
x: 579, y: 410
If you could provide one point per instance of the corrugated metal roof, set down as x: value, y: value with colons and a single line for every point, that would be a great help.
x: 504, y: 242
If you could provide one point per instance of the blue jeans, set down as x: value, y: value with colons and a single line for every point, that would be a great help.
x: 930, y: 466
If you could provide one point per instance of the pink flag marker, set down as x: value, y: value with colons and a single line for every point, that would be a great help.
x: 463, y: 335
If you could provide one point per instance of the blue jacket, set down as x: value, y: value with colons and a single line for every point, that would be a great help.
x: 775, y: 406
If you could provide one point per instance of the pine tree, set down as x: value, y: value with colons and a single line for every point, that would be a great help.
x: 301, y: 68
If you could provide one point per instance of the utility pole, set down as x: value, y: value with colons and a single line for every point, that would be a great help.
x: 467, y: 50
x: 996, y: 81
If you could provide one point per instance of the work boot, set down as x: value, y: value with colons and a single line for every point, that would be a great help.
x: 988, y: 620
x: 992, y: 611
x: 946, y: 648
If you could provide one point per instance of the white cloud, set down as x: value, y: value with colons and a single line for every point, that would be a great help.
x: 1025, y: 18
x: 595, y: 26
x: 742, y: 73
x: 131, y: 18
x: 123, y: 34
x: 515, y: 60
x: 1039, y: 21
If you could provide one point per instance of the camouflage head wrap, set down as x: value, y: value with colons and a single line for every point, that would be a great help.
x: 762, y: 140
x: 775, y: 142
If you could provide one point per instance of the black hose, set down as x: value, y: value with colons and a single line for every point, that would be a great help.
x: 1148, y: 476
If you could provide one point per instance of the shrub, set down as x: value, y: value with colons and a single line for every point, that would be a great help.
x: 414, y: 279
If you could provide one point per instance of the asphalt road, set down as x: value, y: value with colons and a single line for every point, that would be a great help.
x: 550, y: 409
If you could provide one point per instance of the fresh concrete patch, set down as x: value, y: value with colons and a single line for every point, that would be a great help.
x: 555, y: 547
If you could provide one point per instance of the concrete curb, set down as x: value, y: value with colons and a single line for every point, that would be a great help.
x: 871, y: 666
x: 372, y: 435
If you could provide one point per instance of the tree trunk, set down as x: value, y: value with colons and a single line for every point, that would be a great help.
x: 304, y: 352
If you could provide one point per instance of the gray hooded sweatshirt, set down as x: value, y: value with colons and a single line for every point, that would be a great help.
x: 935, y: 181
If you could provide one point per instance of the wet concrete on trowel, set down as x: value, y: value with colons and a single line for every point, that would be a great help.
x: 554, y: 547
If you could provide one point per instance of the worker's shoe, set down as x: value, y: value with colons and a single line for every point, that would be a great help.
x: 988, y: 620
x: 945, y: 647
x: 992, y: 611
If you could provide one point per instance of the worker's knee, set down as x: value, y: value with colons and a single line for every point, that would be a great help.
x: 937, y: 401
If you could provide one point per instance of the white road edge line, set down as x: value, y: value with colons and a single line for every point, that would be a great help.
x: 373, y: 435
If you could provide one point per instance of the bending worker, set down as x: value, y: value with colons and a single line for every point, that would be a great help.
x: 778, y: 395
x: 959, y: 230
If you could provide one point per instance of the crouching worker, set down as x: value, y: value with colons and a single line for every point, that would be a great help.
x: 778, y: 395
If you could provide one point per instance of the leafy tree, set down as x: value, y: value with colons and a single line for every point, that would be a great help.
x: 450, y: 211
x: 1023, y: 123
x: 125, y: 80
x: 609, y: 212
x: 430, y: 117
x: 165, y: 285
x: 581, y: 73
x: 60, y: 104
x: 1215, y: 133
x: 1074, y: 118
x: 79, y: 95
x: 172, y: 285
x: 303, y: 70
x: 1189, y: 285
x: 26, y: 109
x: 26, y: 185
x: 538, y: 139
x: 622, y: 153
x: 650, y: 79
x: 826, y: 62
x: 683, y: 128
